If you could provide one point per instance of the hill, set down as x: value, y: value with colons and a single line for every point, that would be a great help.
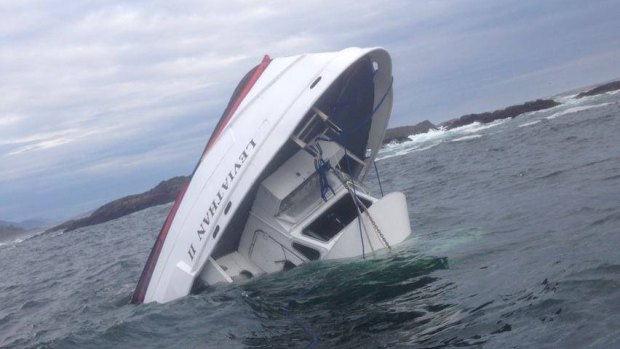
x: 612, y: 86
x: 164, y: 192
x: 8, y: 232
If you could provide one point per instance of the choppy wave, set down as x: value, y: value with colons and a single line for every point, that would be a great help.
x: 406, y: 151
x: 425, y: 141
x: 13, y: 242
x: 466, y: 138
x: 531, y: 123
x: 567, y: 99
x: 476, y: 126
x: 574, y: 110
x: 431, y: 139
x: 571, y: 99
x: 25, y: 237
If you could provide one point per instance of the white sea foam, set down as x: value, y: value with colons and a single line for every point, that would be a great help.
x: 466, y: 138
x: 471, y: 128
x: 425, y: 148
x: 404, y: 151
x: 22, y: 238
x: 433, y: 138
x: 575, y: 110
x: 569, y: 99
x: 569, y: 104
x: 573, y: 100
x: 416, y: 149
x: 418, y: 141
x: 535, y: 112
x: 34, y: 235
x: 379, y: 158
x: 426, y: 137
x: 476, y: 126
x: 56, y: 233
x: 530, y: 123
x: 611, y: 93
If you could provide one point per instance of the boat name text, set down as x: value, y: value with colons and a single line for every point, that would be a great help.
x: 208, y: 218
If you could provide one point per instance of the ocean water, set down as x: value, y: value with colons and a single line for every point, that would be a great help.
x: 516, y: 245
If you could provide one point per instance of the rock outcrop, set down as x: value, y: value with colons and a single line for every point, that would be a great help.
x: 8, y: 232
x: 612, y: 86
x: 510, y: 112
x: 401, y: 134
x: 164, y: 192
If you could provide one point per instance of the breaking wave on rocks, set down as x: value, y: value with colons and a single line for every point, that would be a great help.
x: 425, y: 141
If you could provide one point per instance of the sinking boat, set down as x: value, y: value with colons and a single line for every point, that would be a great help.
x: 280, y: 182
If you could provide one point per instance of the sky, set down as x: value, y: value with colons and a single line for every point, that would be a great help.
x: 101, y: 99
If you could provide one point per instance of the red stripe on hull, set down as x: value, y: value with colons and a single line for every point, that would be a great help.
x: 147, y: 273
x: 257, y: 73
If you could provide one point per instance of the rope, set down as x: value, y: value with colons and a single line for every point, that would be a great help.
x: 359, y: 212
x: 378, y: 177
x: 376, y: 227
x: 357, y: 201
x: 322, y: 168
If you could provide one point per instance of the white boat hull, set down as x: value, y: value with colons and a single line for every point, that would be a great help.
x: 215, y: 204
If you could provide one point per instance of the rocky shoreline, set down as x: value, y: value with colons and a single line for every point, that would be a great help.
x: 510, y: 112
x: 402, y: 133
x: 10, y: 232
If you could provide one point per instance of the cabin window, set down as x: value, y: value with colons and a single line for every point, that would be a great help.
x: 308, y: 252
x: 302, y: 198
x: 332, y: 221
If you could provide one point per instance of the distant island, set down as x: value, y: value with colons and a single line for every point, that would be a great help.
x: 402, y: 133
x: 608, y: 87
x: 167, y: 191
x: 12, y: 230
x: 510, y: 112
x: 164, y: 192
